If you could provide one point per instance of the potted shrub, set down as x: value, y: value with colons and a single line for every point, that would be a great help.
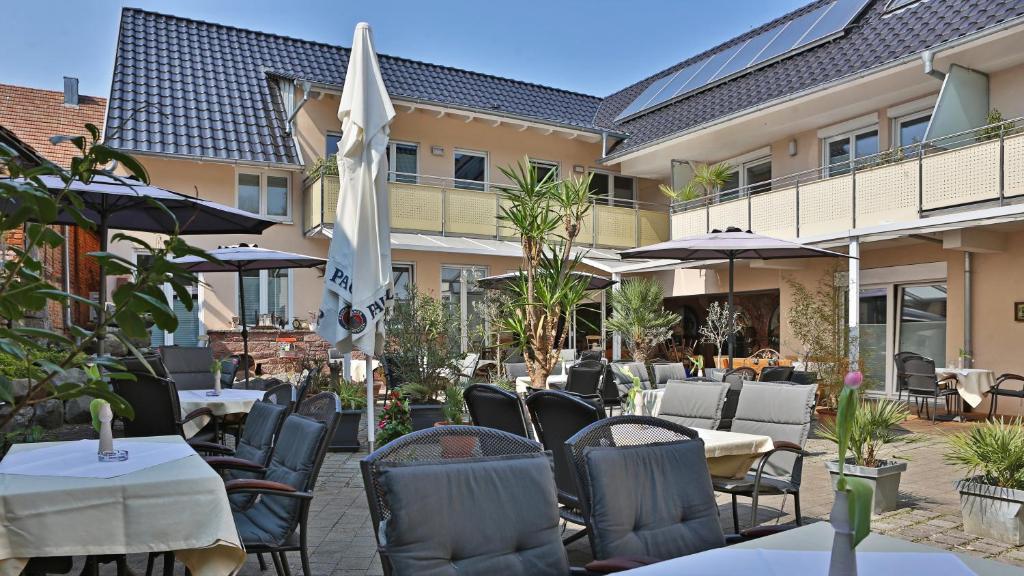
x: 423, y: 350
x: 992, y: 496
x: 717, y: 328
x: 870, y: 428
x: 394, y: 419
x: 353, y: 404
x: 639, y: 317
x: 455, y: 445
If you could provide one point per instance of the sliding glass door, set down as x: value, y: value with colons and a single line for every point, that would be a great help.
x: 874, y: 306
x: 462, y: 295
x: 922, y: 321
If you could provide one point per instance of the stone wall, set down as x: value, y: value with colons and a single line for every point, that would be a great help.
x: 276, y: 351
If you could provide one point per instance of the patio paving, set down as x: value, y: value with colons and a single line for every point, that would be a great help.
x: 342, y: 542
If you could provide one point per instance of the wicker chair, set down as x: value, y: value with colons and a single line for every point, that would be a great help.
x: 421, y: 539
x: 491, y: 407
x: 556, y: 417
x: 585, y: 378
x: 282, y: 394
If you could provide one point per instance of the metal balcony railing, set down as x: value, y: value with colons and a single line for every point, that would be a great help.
x: 444, y: 206
x: 976, y: 166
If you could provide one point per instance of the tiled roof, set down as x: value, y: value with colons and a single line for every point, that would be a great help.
x: 193, y: 88
x: 873, y: 39
x: 35, y: 115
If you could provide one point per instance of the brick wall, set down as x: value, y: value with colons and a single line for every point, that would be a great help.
x: 266, y: 347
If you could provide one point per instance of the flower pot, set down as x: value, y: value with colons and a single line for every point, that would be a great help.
x: 457, y: 445
x: 346, y: 434
x: 884, y: 481
x: 843, y: 561
x: 425, y: 415
x: 992, y: 512
x: 826, y: 416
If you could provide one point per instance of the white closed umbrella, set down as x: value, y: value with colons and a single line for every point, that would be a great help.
x: 357, y: 283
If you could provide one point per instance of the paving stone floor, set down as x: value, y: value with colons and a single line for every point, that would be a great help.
x: 342, y: 542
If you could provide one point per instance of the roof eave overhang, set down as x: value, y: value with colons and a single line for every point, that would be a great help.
x: 212, y: 159
x: 669, y: 139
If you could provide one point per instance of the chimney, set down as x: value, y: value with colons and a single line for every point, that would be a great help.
x: 70, y: 91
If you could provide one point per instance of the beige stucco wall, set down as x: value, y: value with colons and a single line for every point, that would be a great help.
x: 1005, y: 89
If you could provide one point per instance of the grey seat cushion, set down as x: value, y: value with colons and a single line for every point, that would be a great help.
x: 663, y: 373
x: 694, y: 404
x: 189, y: 366
x: 487, y: 516
x: 637, y: 369
x: 781, y: 411
x: 668, y: 510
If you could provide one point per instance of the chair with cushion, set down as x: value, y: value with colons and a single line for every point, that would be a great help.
x: 585, y: 378
x: 492, y: 407
x: 717, y: 374
x: 665, y: 372
x: 488, y: 507
x: 228, y: 370
x: 592, y: 355
x: 637, y: 369
x: 782, y: 412
x: 276, y: 521
x: 155, y: 402
x: 694, y: 404
x: 924, y: 384
x: 611, y: 394
x: 776, y: 374
x: 189, y: 366
x: 556, y: 417
x: 305, y: 381
x: 1001, y: 389
x: 282, y: 394
x: 619, y: 463
x: 735, y: 377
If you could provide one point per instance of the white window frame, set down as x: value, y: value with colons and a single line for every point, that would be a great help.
x: 464, y: 300
x: 392, y: 153
x: 741, y: 169
x: 851, y: 137
x: 327, y: 135
x: 556, y: 166
x: 264, y: 174
x: 897, y: 124
x: 611, y: 200
x: 198, y: 292
x: 264, y: 296
x: 469, y: 152
x: 412, y: 273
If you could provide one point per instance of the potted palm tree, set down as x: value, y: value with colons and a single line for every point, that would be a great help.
x: 707, y: 181
x: 353, y: 404
x: 992, y: 496
x: 870, y: 428
x: 638, y: 316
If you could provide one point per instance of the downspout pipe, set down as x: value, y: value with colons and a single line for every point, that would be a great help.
x: 928, y: 58
x: 66, y: 280
x: 306, y: 89
x: 968, y: 312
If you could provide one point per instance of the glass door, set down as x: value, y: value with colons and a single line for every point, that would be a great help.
x: 922, y: 321
x: 873, y: 328
x: 462, y: 295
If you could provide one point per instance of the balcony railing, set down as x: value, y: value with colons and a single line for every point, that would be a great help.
x: 961, y: 170
x: 432, y: 205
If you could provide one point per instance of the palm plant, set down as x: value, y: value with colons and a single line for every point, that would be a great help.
x: 547, y: 215
x: 638, y: 316
x: 872, y: 426
x: 993, y: 451
x: 709, y: 177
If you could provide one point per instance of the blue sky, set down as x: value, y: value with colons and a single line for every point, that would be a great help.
x: 591, y: 46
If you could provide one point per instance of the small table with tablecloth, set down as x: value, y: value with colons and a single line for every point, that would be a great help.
x: 971, y: 383
x: 230, y: 401
x: 57, y: 499
x: 556, y: 382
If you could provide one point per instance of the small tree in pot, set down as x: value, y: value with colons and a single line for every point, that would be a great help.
x: 638, y: 316
x: 423, y: 350
x: 870, y: 428
x: 992, y: 497
x: 718, y: 326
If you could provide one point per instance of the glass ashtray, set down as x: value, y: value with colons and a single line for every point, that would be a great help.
x: 212, y: 393
x: 113, y: 456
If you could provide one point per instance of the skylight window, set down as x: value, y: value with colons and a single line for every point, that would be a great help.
x: 773, y: 44
x: 897, y: 4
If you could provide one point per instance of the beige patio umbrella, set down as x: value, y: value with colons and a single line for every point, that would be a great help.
x: 357, y: 283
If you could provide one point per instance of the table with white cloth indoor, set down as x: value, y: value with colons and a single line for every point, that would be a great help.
x: 729, y: 454
x: 57, y: 499
x: 230, y: 401
x: 555, y: 382
x: 971, y: 383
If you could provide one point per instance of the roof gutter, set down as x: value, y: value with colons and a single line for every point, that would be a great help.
x: 213, y: 160
x: 306, y: 88
x: 910, y: 58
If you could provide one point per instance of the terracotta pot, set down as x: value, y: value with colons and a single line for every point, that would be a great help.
x: 457, y: 445
x: 826, y: 416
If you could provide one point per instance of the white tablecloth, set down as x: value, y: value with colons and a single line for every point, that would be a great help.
x: 230, y: 401
x: 971, y: 383
x: 79, y: 460
x: 179, y: 505
x: 557, y: 381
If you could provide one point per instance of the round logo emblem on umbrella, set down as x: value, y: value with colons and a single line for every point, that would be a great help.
x: 352, y: 320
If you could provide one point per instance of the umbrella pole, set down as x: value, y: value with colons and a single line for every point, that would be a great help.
x: 371, y: 428
x: 245, y: 328
x: 732, y: 315
x: 101, y: 314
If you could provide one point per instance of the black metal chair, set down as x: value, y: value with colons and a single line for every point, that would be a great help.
x: 156, y: 405
x: 502, y: 520
x: 776, y: 374
x: 901, y: 372
x: 611, y: 393
x: 783, y: 412
x: 803, y: 378
x: 282, y: 394
x: 491, y: 407
x: 189, y: 366
x: 669, y: 371
x: 276, y: 521
x: 585, y: 377
x: 923, y: 383
x: 303, y: 388
x: 556, y: 417
x: 998, y: 390
x: 662, y: 456
x: 592, y: 355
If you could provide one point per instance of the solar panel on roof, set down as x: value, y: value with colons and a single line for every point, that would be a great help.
x: 777, y: 42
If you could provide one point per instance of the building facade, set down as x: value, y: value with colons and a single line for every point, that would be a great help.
x: 860, y: 125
